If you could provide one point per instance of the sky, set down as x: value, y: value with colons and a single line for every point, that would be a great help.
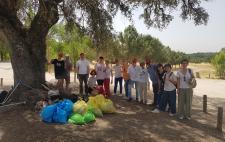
x: 184, y: 35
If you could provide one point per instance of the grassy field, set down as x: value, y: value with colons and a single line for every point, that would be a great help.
x: 205, y: 70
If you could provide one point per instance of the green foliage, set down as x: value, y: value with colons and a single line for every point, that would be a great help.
x: 130, y: 44
x: 69, y: 42
x: 219, y: 63
x: 201, y: 57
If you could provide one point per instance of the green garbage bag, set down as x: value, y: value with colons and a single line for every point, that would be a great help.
x: 90, y: 109
x: 78, y: 119
x: 71, y: 121
x: 89, y: 117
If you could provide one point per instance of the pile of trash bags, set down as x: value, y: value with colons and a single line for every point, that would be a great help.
x: 78, y: 113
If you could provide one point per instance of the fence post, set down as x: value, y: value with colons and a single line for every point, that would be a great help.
x: 205, y: 103
x: 1, y: 82
x: 220, y: 119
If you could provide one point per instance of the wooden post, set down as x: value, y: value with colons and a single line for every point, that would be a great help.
x: 205, y: 103
x: 1, y: 82
x: 220, y: 119
x: 209, y: 75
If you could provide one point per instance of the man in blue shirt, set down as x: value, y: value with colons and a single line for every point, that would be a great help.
x: 152, y: 70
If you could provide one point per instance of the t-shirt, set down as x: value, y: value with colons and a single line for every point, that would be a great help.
x: 92, y: 81
x: 125, y: 72
x: 118, y: 71
x: 82, y: 66
x: 168, y: 85
x: 133, y: 72
x: 108, y: 72
x: 59, y: 67
x: 184, y: 79
x: 143, y: 75
x: 101, y: 71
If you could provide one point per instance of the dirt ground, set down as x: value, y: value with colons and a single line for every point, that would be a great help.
x: 133, y: 122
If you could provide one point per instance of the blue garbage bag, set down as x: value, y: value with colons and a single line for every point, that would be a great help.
x: 60, y: 116
x: 47, y: 113
x: 67, y: 105
x: 57, y: 113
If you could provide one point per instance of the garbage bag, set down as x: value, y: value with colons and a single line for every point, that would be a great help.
x: 66, y: 105
x: 90, y: 108
x: 89, y: 117
x: 108, y: 107
x: 60, y: 116
x: 77, y: 119
x: 97, y: 112
x: 80, y: 107
x: 47, y: 113
x: 99, y: 99
x: 71, y: 121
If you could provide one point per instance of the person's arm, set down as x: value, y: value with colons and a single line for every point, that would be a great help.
x: 178, y: 84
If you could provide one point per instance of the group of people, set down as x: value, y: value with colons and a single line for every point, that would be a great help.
x: 165, y: 83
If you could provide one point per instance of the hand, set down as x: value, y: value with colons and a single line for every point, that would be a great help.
x: 178, y: 91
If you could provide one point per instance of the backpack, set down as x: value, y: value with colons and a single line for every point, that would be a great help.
x: 192, y: 82
x: 164, y: 78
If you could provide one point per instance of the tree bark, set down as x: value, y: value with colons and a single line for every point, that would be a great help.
x: 27, y: 46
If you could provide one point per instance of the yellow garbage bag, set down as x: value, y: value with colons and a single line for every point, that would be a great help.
x: 80, y: 107
x: 99, y: 99
x: 108, y: 107
x: 95, y: 108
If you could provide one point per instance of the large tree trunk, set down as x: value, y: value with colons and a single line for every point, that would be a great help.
x: 27, y: 45
x: 28, y: 61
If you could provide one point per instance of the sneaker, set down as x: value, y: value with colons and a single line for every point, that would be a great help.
x: 181, y: 117
x: 171, y: 114
x: 188, y: 118
x: 120, y: 94
x: 156, y: 111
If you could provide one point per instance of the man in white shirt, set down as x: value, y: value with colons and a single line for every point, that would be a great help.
x: 82, y: 69
x: 133, y: 71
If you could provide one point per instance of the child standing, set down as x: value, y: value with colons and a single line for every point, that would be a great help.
x: 92, y: 81
x: 142, y: 83
x: 108, y: 74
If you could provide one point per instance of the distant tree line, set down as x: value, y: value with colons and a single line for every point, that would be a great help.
x: 201, y: 57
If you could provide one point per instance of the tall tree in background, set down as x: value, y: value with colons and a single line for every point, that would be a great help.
x: 27, y: 40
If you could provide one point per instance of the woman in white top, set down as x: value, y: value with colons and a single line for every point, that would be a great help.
x: 185, y: 91
x: 100, y: 70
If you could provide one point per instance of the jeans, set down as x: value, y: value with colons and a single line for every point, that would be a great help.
x: 126, y: 87
x: 131, y: 84
x: 168, y: 97
x: 83, y: 79
x: 120, y: 81
x: 155, y: 92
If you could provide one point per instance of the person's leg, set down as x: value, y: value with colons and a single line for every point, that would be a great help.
x: 115, y: 84
x: 126, y: 87
x: 189, y: 95
x: 140, y: 89
x: 130, y: 84
x: 145, y: 93
x: 162, y: 103
x: 121, y: 82
x: 155, y: 92
x: 85, y: 84
x: 106, y: 86
x: 172, y: 101
x: 181, y: 103
x: 137, y: 90
x: 81, y: 79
